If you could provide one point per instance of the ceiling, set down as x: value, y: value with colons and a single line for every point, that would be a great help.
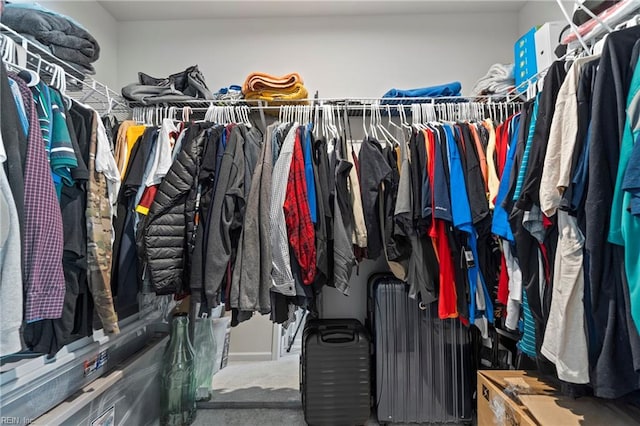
x: 216, y: 9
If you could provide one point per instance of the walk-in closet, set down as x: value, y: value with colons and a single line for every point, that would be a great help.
x: 325, y: 213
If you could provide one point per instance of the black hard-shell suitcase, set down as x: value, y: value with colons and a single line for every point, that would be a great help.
x: 336, y: 372
x: 423, y: 365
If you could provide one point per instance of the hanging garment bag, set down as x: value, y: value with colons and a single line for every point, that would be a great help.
x: 336, y: 372
x: 423, y: 365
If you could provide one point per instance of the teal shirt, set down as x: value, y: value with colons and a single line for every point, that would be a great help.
x: 624, y: 228
x: 527, y: 149
x: 62, y: 157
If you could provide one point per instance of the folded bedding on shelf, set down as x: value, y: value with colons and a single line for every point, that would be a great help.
x: 179, y: 87
x: 449, y: 89
x: 499, y: 80
x: 66, y: 39
x: 296, y: 92
x: 259, y: 81
x: 286, y: 90
x: 75, y: 69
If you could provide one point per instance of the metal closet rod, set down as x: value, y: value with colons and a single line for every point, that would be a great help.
x: 91, y: 88
x: 320, y: 101
x: 342, y: 107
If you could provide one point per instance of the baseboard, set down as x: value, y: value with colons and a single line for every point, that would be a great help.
x: 249, y: 356
x: 244, y: 405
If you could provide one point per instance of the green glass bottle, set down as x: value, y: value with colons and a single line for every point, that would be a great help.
x: 178, y: 393
x: 206, y: 350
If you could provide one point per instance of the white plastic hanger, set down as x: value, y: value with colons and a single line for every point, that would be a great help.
x: 364, y: 121
x: 10, y: 56
x: 389, y: 138
x: 335, y: 115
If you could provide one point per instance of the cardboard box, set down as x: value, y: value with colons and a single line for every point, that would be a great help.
x: 519, y: 398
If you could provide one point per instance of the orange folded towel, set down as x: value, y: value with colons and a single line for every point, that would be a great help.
x: 258, y: 81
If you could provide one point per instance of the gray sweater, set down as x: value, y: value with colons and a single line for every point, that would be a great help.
x: 226, y: 214
x: 252, y: 274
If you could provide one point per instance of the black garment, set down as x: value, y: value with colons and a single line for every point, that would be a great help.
x: 416, y: 174
x: 111, y: 126
x: 164, y: 230
x: 441, y: 187
x: 420, y: 172
x: 73, y: 206
x: 343, y: 168
x: 457, y: 240
x: 374, y: 171
x: 82, y: 119
x: 326, y: 181
x: 279, y: 308
x: 473, y: 177
x: 125, y: 282
x: 324, y: 245
x: 343, y: 257
x: 527, y: 246
x: 15, y: 145
x: 398, y: 247
x: 615, y: 369
x: 530, y: 194
x: 197, y: 249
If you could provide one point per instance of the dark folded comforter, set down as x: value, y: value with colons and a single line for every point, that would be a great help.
x: 66, y: 40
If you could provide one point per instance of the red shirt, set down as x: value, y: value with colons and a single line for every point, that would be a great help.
x: 297, y: 216
x: 447, y: 298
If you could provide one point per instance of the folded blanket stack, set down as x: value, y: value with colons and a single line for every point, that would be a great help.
x: 499, y: 80
x: 275, y: 90
x: 62, y: 36
x: 182, y: 86
x: 443, y: 90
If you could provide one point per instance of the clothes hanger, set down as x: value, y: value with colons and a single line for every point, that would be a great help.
x: 364, y: 120
x: 332, y: 125
x: 9, y: 56
x: 371, y: 125
x: 414, y: 115
x: 389, y: 138
x: 316, y: 116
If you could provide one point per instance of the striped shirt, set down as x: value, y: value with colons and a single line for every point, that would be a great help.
x: 527, y: 149
x: 527, y: 343
x: 281, y: 276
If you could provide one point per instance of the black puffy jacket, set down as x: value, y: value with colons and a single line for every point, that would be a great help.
x: 168, y: 228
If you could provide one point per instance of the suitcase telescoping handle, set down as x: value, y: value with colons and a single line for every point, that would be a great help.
x: 337, y: 337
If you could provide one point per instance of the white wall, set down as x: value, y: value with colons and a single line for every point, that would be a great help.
x: 104, y: 29
x: 252, y: 340
x: 537, y: 12
x: 339, y: 56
